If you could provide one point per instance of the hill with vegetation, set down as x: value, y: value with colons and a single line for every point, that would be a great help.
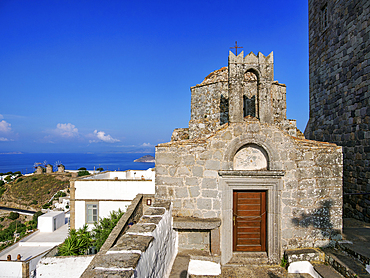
x: 34, y: 191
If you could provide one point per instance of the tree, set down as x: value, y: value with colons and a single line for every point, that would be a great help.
x: 82, y: 168
x: 100, y: 169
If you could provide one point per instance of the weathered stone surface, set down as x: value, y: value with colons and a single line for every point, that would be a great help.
x: 155, y: 211
x: 117, y: 260
x: 139, y: 229
x: 132, y: 242
x: 192, y: 223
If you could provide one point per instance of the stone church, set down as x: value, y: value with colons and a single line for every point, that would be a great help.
x: 242, y: 177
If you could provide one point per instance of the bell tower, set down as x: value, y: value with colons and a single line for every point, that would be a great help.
x: 250, y: 79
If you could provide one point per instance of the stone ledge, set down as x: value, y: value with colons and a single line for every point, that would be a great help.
x: 140, y: 229
x: 99, y: 273
x: 117, y: 261
x: 149, y: 220
x: 191, y: 223
x: 248, y: 173
x: 132, y: 242
x: 305, y: 254
x: 155, y: 211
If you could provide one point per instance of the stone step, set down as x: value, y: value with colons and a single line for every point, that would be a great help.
x: 345, y: 264
x: 180, y: 267
x: 250, y: 258
x: 326, y: 271
x: 357, y: 251
x: 299, y: 275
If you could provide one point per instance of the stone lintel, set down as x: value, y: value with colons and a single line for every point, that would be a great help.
x: 132, y: 242
x: 192, y: 223
x: 251, y: 173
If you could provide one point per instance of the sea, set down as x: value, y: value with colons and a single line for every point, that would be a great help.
x: 26, y: 162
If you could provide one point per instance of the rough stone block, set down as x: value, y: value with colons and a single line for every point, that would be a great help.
x: 194, y: 191
x: 204, y: 204
x: 208, y: 183
x: 181, y: 192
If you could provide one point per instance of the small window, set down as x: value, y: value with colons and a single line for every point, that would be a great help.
x: 91, y: 213
x: 324, y: 17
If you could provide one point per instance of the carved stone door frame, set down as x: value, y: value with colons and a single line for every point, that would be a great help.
x: 269, y: 181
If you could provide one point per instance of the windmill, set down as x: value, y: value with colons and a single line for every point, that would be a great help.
x: 56, y: 164
x: 37, y: 164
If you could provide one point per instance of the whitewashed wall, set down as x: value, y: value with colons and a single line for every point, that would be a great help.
x: 58, y: 267
x: 112, y: 190
x: 105, y: 207
x: 157, y: 260
x: 10, y: 269
x: 45, y: 222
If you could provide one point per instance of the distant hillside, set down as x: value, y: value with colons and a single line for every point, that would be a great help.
x: 31, y: 192
x: 146, y: 158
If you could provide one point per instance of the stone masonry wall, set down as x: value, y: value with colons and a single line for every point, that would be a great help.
x: 187, y: 174
x: 339, y: 50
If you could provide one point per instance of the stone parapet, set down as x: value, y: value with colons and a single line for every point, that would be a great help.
x: 146, y: 249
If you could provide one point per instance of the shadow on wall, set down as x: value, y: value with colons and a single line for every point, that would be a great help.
x: 320, y: 220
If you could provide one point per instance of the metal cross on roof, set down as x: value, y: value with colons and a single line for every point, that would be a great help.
x: 236, y: 48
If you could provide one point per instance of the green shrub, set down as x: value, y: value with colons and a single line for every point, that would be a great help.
x: 2, y: 190
x: 34, y: 179
x: 104, y: 227
x: 83, y: 173
x: 19, y: 180
x: 13, y: 215
x: 77, y: 243
x: 2, y: 183
x: 34, y: 202
x: 46, y: 205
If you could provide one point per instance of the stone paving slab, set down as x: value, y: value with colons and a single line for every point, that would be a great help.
x: 251, y: 271
x: 326, y: 271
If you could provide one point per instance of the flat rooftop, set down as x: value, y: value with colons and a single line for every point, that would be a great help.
x: 36, y: 244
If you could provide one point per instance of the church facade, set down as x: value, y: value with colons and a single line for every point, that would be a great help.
x: 242, y: 177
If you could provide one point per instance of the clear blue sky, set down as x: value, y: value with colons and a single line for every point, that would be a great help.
x: 95, y: 76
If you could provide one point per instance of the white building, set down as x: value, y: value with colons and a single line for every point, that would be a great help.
x: 51, y: 232
x: 94, y: 197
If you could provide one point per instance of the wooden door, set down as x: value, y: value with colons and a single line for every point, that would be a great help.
x: 249, y: 220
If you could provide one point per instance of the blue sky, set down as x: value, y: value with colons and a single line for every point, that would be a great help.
x: 96, y: 76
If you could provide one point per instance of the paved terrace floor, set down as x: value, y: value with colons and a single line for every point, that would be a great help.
x: 36, y: 244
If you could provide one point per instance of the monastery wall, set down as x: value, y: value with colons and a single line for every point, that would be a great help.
x: 339, y: 60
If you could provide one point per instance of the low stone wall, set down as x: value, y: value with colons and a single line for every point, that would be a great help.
x: 146, y: 249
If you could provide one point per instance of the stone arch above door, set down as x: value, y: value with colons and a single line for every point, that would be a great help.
x: 265, y: 146
x: 250, y: 157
